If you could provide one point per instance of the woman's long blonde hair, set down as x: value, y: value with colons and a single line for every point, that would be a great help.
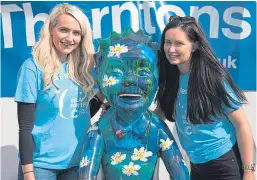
x: 80, y: 60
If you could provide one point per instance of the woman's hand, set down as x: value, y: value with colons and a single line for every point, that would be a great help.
x: 29, y: 176
x: 28, y: 172
x: 104, y: 107
x: 249, y: 175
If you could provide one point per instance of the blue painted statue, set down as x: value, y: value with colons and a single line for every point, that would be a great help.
x: 128, y: 139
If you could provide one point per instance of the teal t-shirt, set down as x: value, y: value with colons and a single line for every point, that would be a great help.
x: 204, y: 142
x: 61, y: 118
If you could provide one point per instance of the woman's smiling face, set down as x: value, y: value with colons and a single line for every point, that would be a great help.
x: 178, y: 48
x: 66, y: 35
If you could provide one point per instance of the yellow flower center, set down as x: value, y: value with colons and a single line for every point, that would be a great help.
x: 118, y: 48
x: 117, y: 158
x: 140, y: 155
x: 131, y: 169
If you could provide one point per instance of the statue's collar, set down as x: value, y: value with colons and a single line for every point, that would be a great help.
x: 140, y: 127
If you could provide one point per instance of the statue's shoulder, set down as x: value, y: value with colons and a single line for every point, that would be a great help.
x: 104, y: 123
x: 107, y: 116
x: 93, y: 130
x: 156, y: 120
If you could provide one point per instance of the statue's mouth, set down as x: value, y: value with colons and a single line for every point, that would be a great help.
x: 130, y: 96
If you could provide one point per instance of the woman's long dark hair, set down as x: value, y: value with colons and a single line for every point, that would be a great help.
x: 206, y: 90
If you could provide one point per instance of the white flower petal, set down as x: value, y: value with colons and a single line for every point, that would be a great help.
x: 134, y: 158
x: 143, y: 159
x: 131, y: 164
x: 137, y: 167
x: 142, y: 149
x: 123, y: 156
x: 148, y: 153
x: 135, y: 173
x: 114, y: 163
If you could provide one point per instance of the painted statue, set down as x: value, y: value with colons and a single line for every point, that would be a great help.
x: 128, y: 139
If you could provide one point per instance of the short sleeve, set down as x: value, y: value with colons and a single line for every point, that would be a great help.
x: 234, y: 106
x: 27, y: 85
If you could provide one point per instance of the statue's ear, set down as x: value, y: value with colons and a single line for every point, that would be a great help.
x: 103, y: 49
x: 96, y: 61
x: 97, y: 58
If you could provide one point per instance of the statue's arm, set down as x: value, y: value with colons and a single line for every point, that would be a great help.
x: 171, y: 155
x: 93, y: 149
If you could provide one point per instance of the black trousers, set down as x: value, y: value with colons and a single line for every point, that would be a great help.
x: 226, y: 167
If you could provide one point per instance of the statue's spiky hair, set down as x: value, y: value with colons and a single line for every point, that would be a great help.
x: 128, y: 36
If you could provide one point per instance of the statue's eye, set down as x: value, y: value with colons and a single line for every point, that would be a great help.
x: 116, y: 72
x: 143, y: 72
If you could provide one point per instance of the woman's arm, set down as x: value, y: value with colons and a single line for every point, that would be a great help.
x: 244, y: 139
x: 105, y: 105
x: 26, y: 122
x: 100, y: 96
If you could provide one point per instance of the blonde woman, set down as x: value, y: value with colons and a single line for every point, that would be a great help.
x: 53, y: 91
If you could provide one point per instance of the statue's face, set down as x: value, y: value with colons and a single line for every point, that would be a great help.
x: 128, y: 77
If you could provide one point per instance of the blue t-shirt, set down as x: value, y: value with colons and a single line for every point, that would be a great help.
x: 204, y: 142
x: 61, y: 118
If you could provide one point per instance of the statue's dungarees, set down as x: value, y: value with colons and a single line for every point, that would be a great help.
x: 143, y: 134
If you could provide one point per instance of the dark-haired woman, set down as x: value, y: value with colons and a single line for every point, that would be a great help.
x: 198, y: 94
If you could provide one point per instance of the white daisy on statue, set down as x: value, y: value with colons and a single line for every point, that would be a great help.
x: 117, y: 50
x: 118, y: 158
x: 142, y: 154
x: 131, y: 169
x: 165, y: 145
x: 109, y: 81
x: 84, y: 162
